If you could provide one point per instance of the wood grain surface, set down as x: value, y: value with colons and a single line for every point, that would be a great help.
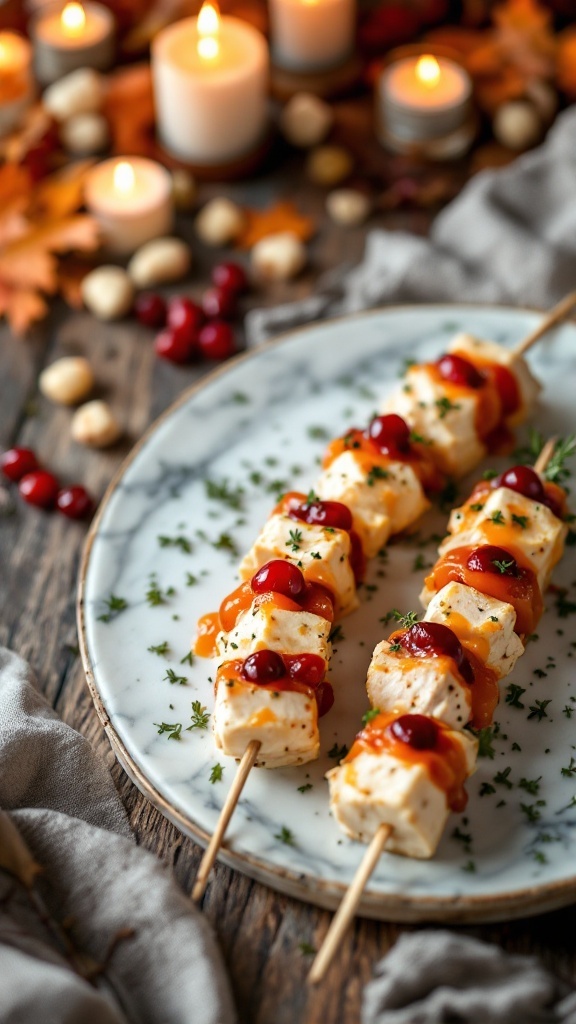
x: 259, y: 930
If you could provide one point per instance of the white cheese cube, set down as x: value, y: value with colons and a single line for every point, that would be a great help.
x: 451, y: 429
x: 480, y: 351
x: 322, y: 554
x: 405, y: 684
x: 264, y: 626
x: 376, y: 788
x: 483, y: 625
x: 284, y: 721
x: 380, y: 504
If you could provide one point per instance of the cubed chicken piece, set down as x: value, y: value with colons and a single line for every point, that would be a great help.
x: 450, y: 426
x: 401, y: 683
x: 264, y: 626
x: 376, y: 788
x: 284, y: 721
x: 382, y: 499
x: 483, y: 625
x: 322, y: 554
x: 480, y: 352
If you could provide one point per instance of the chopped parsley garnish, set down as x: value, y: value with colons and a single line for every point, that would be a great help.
x: 156, y: 596
x: 570, y: 770
x: 161, y: 649
x: 336, y: 634
x: 221, y: 491
x: 318, y: 433
x: 486, y: 789
x: 497, y: 518
x: 337, y: 752
x: 502, y: 566
x: 419, y: 564
x: 521, y: 521
x: 172, y: 730
x: 285, y: 836
x: 563, y: 606
x: 305, y: 787
x: 568, y: 711
x: 538, y: 709
x: 175, y: 542
x: 188, y: 659
x: 485, y: 739
x: 216, y: 773
x: 514, y: 692
x: 376, y: 473
x: 173, y: 678
x: 395, y: 648
x: 311, y: 497
x: 531, y: 810
x: 416, y: 438
x: 225, y: 543
x: 191, y: 580
x: 240, y: 398
x: 489, y: 474
x: 295, y: 540
x: 369, y: 715
x: 114, y: 606
x: 316, y: 554
x: 199, y: 717
x: 501, y: 778
x: 406, y: 621
x: 469, y: 866
x: 444, y: 406
x: 531, y: 785
x: 477, y: 506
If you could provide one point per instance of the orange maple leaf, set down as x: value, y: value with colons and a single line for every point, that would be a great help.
x: 282, y: 216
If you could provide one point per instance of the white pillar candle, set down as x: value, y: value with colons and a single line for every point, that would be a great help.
x: 210, y: 87
x: 131, y: 198
x: 70, y: 37
x: 16, y: 81
x: 312, y: 35
x: 423, y: 98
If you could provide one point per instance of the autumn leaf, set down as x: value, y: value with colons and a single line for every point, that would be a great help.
x: 566, y: 66
x: 282, y: 216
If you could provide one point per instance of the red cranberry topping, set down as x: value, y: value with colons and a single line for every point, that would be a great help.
x: 306, y: 668
x: 432, y: 639
x: 280, y: 576
x: 217, y: 340
x: 150, y: 309
x: 231, y: 276
x: 490, y: 558
x: 39, y: 488
x: 174, y: 346
x: 16, y: 462
x: 524, y: 480
x: 263, y: 667
x: 185, y: 318
x: 324, y: 698
x: 507, y: 388
x: 417, y: 731
x: 74, y: 502
x: 219, y: 302
x: 460, y: 371
x: 324, y: 513
x: 391, y: 434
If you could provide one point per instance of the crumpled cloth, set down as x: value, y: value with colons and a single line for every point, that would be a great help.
x: 153, y: 956
x: 437, y: 977
x: 510, y: 236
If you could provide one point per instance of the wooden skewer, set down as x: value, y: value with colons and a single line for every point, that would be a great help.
x: 347, y: 909
x: 211, y: 851
x: 545, y: 455
x: 559, y: 312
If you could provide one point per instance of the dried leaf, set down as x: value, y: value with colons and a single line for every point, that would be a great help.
x: 282, y: 216
x: 37, y: 128
x: 15, y: 856
x: 566, y: 65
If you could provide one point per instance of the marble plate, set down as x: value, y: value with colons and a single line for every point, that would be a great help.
x: 192, y: 494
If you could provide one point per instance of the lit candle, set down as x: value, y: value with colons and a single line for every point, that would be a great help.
x: 425, y: 99
x: 132, y: 201
x: 312, y: 35
x: 210, y: 86
x: 16, y: 82
x: 74, y: 36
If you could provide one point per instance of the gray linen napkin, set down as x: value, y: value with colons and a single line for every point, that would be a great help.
x: 436, y: 977
x: 510, y: 236
x: 153, y: 956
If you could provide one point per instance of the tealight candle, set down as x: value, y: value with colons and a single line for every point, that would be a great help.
x: 16, y: 82
x: 312, y: 35
x: 210, y: 86
x: 132, y: 201
x: 70, y: 37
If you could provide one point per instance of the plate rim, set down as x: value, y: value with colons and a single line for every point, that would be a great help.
x: 462, y: 909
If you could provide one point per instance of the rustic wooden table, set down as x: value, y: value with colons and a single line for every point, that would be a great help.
x: 259, y: 930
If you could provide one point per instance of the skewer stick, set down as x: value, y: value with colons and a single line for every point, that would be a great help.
x: 545, y: 455
x: 559, y: 312
x: 347, y: 909
x: 211, y: 851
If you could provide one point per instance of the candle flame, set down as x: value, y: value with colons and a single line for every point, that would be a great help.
x: 208, y: 28
x: 124, y: 177
x: 73, y: 19
x: 428, y: 71
x: 4, y: 53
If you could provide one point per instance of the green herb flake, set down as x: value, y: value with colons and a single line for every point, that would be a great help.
x: 175, y: 542
x: 497, y: 518
x: 285, y: 836
x: 521, y: 521
x: 295, y: 540
x: 336, y: 634
x: 199, y: 717
x: 538, y: 709
x: 444, y: 406
x: 172, y: 678
x: 501, y: 778
x: 173, y: 730
x: 114, y: 605
x: 305, y: 787
x: 216, y: 773
x: 161, y: 649
x: 513, y: 694
x: 376, y: 473
x: 232, y: 497
x: 369, y: 715
x: 531, y: 785
x: 337, y: 753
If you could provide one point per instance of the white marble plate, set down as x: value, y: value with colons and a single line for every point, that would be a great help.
x: 260, y: 424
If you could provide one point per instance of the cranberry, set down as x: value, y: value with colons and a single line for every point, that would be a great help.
x: 263, y: 667
x: 306, y: 668
x: 39, y: 488
x: 418, y: 731
x: 150, y: 310
x: 524, y: 480
x: 74, y: 502
x: 230, y: 276
x: 490, y: 558
x: 460, y: 371
x: 171, y: 345
x: 390, y: 433
x: 434, y: 639
x: 324, y: 698
x: 507, y: 387
x: 280, y: 576
x: 219, y: 302
x: 332, y: 514
x: 217, y: 340
x: 185, y: 318
x: 16, y: 462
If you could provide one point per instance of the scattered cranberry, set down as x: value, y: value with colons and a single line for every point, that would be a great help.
x: 16, y: 462
x: 219, y: 302
x: 263, y: 667
x: 324, y: 698
x: 490, y: 558
x: 434, y: 639
x: 174, y: 346
x: 230, y: 276
x: 306, y: 668
x: 74, y: 502
x: 184, y: 318
x: 460, y: 371
x: 332, y: 514
x: 390, y: 433
x: 217, y: 340
x: 524, y: 480
x: 280, y: 576
x: 417, y: 731
x: 39, y: 488
x: 150, y: 310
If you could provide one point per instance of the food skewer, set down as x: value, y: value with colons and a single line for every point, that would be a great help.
x: 559, y: 312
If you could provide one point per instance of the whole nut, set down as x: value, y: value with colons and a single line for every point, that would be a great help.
x: 220, y: 222
x: 160, y: 261
x: 184, y: 189
x: 67, y: 381
x: 80, y: 92
x: 108, y: 292
x: 278, y: 257
x: 348, y: 207
x: 95, y: 425
x: 306, y: 120
x: 517, y: 125
x: 329, y: 165
x: 85, y: 134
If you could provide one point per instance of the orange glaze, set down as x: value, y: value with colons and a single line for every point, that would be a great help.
x: 501, y: 378
x: 522, y: 591
x: 489, y: 412
x: 445, y: 765
x: 208, y: 629
x: 483, y: 488
x: 368, y: 455
x: 231, y: 671
x: 291, y: 500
